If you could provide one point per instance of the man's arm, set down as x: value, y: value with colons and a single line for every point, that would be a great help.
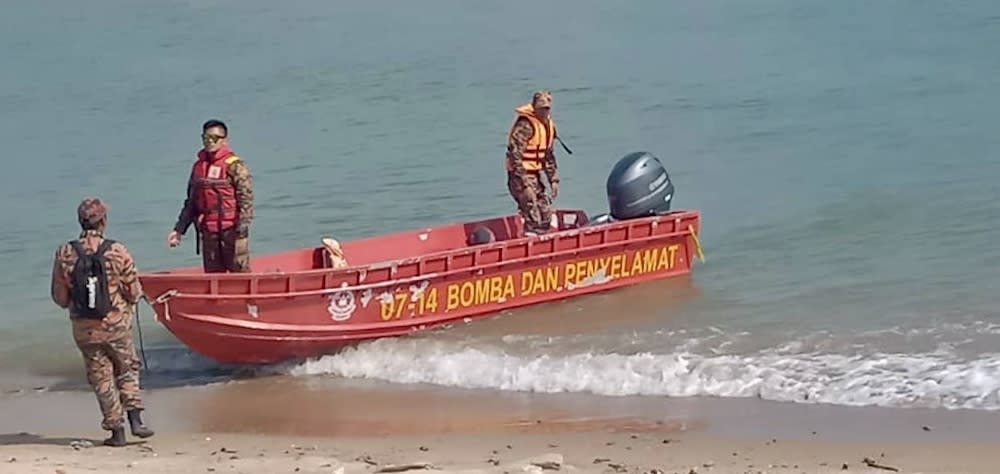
x: 129, y: 276
x: 550, y: 165
x: 518, y: 141
x: 59, y: 287
x: 243, y: 182
x: 188, y: 212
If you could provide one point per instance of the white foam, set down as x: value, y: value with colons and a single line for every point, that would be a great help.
x: 934, y: 379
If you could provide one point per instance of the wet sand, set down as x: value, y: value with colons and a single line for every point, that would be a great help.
x: 280, y: 424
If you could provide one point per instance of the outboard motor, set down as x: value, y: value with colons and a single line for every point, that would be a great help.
x: 639, y: 186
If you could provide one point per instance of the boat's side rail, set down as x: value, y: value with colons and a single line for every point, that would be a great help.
x: 487, y: 258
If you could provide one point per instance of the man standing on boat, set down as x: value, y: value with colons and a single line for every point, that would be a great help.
x: 96, y: 279
x: 529, y: 152
x: 219, y: 202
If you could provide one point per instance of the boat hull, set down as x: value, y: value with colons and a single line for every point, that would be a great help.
x: 270, y: 317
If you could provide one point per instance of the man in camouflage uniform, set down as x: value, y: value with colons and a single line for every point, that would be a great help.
x: 106, y: 344
x: 529, y: 152
x: 219, y: 202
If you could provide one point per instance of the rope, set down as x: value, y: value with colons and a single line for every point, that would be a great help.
x: 697, y: 243
x: 162, y: 299
x: 142, y: 348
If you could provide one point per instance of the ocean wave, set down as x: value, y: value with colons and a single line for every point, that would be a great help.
x: 938, y: 379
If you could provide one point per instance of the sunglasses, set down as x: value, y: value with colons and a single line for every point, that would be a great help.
x: 211, y: 138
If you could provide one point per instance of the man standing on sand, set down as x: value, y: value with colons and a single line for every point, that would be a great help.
x: 219, y: 202
x: 529, y: 151
x: 96, y: 279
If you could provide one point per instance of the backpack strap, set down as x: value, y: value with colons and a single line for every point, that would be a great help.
x: 104, y: 247
x: 77, y: 246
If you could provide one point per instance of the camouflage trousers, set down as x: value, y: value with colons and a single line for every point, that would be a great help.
x: 537, y: 212
x: 223, y: 252
x: 113, y: 373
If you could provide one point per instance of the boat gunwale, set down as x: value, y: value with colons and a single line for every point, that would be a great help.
x: 676, y: 217
x: 162, y: 275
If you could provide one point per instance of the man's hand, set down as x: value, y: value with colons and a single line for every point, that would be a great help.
x: 241, y: 246
x: 173, y: 239
x: 555, y: 189
x: 529, y: 192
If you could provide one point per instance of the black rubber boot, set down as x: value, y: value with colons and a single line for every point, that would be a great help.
x: 135, y: 422
x: 117, y: 438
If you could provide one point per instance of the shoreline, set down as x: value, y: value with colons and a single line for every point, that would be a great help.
x: 337, y: 423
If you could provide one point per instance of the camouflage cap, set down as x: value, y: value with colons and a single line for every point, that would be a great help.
x: 542, y: 98
x: 91, y: 210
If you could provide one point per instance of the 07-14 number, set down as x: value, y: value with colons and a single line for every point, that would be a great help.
x: 393, y: 308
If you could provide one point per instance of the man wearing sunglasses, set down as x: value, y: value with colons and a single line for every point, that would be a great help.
x: 219, y: 202
x: 529, y: 152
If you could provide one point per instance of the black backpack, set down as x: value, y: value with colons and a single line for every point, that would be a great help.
x: 89, y: 289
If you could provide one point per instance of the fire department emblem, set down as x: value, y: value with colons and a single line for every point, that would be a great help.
x: 342, y: 305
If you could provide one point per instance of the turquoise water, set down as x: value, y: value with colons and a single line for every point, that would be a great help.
x: 841, y: 154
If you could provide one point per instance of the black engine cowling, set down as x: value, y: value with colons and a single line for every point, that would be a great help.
x: 639, y: 186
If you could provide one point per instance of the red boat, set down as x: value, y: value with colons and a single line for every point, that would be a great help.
x: 298, y: 304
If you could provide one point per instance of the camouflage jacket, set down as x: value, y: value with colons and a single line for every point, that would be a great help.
x: 519, y: 137
x: 123, y: 285
x: 239, y: 175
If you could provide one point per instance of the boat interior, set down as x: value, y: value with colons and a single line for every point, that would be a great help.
x: 401, y: 245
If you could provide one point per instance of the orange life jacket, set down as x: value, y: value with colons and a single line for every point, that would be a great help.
x: 214, y: 194
x: 540, y: 143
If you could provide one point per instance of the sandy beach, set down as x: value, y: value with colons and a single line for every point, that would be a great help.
x: 305, y: 425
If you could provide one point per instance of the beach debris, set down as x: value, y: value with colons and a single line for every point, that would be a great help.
x: 367, y: 460
x: 550, y: 461
x: 926, y: 428
x: 668, y: 441
x: 424, y: 448
x: 708, y: 464
x: 618, y: 467
x: 872, y: 463
x: 600, y: 460
x: 223, y: 450
x: 12, y: 459
x: 405, y: 467
x: 81, y: 444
